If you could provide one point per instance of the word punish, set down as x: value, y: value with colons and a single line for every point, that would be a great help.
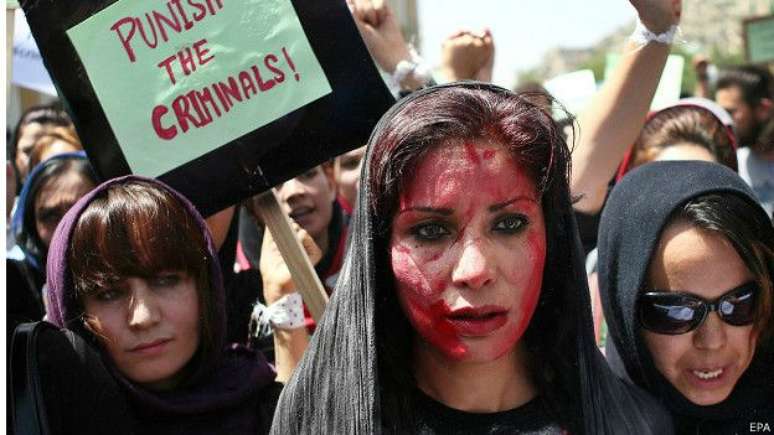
x: 180, y: 16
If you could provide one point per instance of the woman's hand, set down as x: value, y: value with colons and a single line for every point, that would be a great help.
x: 277, y: 280
x: 467, y: 55
x: 381, y: 32
x: 658, y: 15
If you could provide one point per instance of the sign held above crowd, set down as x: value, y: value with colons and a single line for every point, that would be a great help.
x: 221, y: 99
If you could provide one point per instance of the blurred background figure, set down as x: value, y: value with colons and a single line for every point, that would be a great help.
x: 34, y: 123
x: 51, y: 189
x: 346, y: 171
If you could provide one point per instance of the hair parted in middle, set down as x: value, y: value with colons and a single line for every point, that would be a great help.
x: 356, y: 375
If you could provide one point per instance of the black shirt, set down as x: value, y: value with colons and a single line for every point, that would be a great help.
x: 530, y: 418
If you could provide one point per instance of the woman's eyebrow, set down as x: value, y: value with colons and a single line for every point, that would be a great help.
x: 428, y: 209
x: 500, y: 205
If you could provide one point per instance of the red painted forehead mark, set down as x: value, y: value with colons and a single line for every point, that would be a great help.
x: 466, y: 168
x: 471, y: 154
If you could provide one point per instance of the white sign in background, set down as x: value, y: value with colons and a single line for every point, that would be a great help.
x: 28, y: 69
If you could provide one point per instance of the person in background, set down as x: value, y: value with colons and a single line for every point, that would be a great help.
x: 346, y: 171
x: 686, y: 262
x: 320, y: 222
x: 31, y: 126
x: 57, y: 140
x: 691, y: 129
x: 52, y: 187
x: 746, y: 93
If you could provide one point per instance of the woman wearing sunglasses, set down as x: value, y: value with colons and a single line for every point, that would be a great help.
x: 686, y: 259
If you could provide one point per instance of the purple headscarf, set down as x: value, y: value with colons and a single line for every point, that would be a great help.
x: 217, y: 382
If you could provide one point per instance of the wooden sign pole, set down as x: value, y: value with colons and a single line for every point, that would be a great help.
x: 301, y: 269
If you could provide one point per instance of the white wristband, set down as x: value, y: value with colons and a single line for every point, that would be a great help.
x: 285, y: 313
x: 414, y: 67
x: 642, y: 36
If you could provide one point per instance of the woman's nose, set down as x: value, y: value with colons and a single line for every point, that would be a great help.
x: 143, y: 311
x: 474, y: 267
x: 711, y: 334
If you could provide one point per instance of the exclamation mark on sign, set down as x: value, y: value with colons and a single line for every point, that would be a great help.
x: 291, y: 64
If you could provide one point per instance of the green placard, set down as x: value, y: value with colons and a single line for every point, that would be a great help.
x: 181, y: 78
x: 759, y: 39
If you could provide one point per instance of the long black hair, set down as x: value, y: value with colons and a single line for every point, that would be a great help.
x: 356, y: 376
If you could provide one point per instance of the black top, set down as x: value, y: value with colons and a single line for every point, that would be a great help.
x: 530, y: 418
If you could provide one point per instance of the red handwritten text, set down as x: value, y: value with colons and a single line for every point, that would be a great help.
x: 200, y: 107
x: 180, y: 16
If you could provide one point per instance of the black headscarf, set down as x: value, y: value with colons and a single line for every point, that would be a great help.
x: 344, y: 384
x: 637, y: 211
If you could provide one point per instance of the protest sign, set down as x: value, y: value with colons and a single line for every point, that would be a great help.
x: 221, y: 99
x: 573, y: 90
x: 27, y: 64
x: 759, y: 39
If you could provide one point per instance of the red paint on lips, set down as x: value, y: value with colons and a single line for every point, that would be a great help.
x: 478, y: 321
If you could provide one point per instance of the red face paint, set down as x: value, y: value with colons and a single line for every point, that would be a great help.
x: 472, y: 153
x: 468, y: 250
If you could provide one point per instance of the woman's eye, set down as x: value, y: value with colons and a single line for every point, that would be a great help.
x: 108, y: 295
x: 511, y: 224
x: 166, y: 280
x: 429, y: 231
x: 350, y: 163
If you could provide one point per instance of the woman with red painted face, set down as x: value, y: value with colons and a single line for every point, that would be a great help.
x: 686, y: 260
x: 462, y: 306
x: 133, y: 270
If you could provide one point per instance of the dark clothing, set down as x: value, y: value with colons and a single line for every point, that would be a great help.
x: 530, y: 418
x: 228, y: 391
x: 588, y: 225
x: 637, y: 211
x: 24, y: 303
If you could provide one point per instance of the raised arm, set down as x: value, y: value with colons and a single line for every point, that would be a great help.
x: 289, y: 344
x: 617, y: 113
x: 382, y: 35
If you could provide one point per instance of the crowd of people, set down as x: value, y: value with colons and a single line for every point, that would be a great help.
x: 492, y: 267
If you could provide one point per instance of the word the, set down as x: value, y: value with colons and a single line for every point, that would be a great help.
x: 158, y: 23
x: 185, y: 58
x: 196, y: 108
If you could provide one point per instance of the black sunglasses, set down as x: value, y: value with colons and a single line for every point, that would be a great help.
x: 673, y: 313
